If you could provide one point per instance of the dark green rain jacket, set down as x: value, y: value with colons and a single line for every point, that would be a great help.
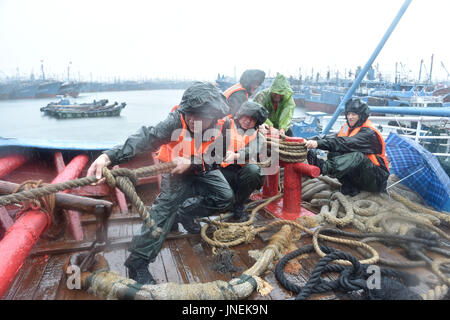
x: 282, y: 116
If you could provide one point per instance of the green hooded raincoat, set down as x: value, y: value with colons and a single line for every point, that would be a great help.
x: 282, y: 116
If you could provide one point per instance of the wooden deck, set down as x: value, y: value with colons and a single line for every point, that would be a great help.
x: 184, y: 258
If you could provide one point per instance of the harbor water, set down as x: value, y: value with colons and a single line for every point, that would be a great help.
x: 22, y: 119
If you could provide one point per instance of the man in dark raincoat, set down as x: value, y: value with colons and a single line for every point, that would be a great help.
x: 244, y: 176
x: 240, y: 92
x: 195, y: 186
x: 279, y: 102
x: 356, y: 154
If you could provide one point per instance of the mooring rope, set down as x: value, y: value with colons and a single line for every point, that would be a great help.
x: 125, y: 179
x: 351, y: 279
x: 110, y: 285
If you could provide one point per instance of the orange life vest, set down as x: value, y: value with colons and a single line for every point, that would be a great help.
x: 185, y: 145
x: 235, y: 88
x: 345, y: 132
x: 238, y: 141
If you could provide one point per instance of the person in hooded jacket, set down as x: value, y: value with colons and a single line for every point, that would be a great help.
x: 240, y: 92
x: 195, y: 187
x: 279, y: 102
x: 356, y: 154
x: 244, y: 176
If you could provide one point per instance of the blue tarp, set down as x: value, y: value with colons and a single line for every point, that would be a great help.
x: 420, y: 170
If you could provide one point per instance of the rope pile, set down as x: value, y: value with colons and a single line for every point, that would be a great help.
x: 125, y: 179
x: 354, y: 278
x: 289, y: 151
x: 109, y: 285
x: 368, y: 212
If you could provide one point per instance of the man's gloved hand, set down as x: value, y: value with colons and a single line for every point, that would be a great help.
x: 183, y: 165
x: 311, y: 144
x: 231, y: 157
x: 97, y: 167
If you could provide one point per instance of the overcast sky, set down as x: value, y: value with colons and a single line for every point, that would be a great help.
x: 197, y: 39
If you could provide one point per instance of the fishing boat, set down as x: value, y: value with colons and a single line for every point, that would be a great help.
x: 70, y: 88
x: 102, y: 215
x: 278, y: 254
x: 95, y: 109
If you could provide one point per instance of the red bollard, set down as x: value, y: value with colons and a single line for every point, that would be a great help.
x: 17, y: 243
x: 289, y: 207
x: 71, y: 171
x: 10, y: 163
x: 292, y: 198
x: 271, y: 183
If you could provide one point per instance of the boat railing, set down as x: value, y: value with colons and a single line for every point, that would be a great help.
x: 417, y: 133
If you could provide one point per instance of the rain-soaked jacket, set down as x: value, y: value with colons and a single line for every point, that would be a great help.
x: 366, y: 141
x: 279, y: 118
x: 347, y: 156
x: 201, y: 98
x: 248, y: 143
x: 239, y: 93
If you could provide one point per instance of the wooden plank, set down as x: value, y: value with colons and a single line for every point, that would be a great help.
x: 115, y: 259
x: 193, y: 268
x: 158, y: 270
x: 203, y: 252
x: 173, y: 273
x: 31, y: 271
x: 53, y: 273
x: 186, y: 273
x: 114, y: 218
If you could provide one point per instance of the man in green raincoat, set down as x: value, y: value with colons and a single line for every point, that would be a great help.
x: 279, y: 102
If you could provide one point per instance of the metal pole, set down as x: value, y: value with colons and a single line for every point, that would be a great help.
x: 363, y: 72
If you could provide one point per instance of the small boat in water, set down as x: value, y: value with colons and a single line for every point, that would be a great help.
x: 65, y: 110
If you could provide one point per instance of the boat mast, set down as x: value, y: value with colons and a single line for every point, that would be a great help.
x: 68, y: 71
x: 431, y: 67
x: 364, y: 70
x: 42, y: 69
x: 420, y: 69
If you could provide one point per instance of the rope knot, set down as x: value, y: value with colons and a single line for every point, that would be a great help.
x: 46, y: 203
x: 110, y: 180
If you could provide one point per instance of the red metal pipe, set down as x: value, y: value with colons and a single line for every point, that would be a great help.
x: 71, y: 171
x: 10, y: 163
x: 17, y: 243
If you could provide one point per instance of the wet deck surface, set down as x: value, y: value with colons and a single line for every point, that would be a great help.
x: 183, y: 259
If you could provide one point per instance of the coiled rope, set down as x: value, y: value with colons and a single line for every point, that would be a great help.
x: 125, y: 179
x: 110, y: 285
x: 352, y: 278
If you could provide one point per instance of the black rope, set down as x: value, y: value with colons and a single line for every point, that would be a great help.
x: 351, y: 278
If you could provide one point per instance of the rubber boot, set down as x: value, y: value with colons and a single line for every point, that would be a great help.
x: 347, y: 189
x: 239, y: 213
x: 138, y: 271
x: 174, y: 227
x: 187, y: 212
